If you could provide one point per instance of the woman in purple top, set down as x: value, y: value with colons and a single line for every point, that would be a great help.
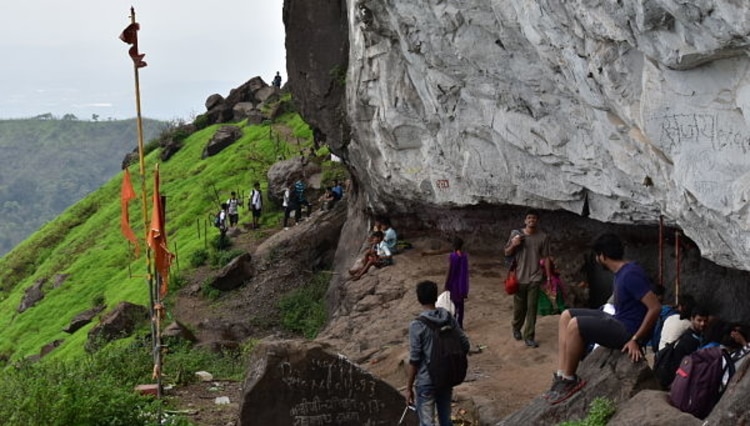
x: 457, y: 281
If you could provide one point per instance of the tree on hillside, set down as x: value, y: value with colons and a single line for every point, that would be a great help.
x: 69, y: 117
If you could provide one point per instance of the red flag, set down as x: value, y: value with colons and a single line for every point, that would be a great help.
x: 157, y: 239
x: 127, y: 194
x: 130, y: 36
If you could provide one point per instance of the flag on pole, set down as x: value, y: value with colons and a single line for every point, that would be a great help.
x: 127, y: 194
x: 157, y: 239
x: 130, y: 36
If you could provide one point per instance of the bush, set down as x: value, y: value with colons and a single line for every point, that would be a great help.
x: 303, y: 309
x: 198, y: 258
x: 599, y: 414
x: 223, y: 257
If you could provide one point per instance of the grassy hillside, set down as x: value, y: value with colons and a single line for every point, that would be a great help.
x: 46, y: 165
x: 86, y: 245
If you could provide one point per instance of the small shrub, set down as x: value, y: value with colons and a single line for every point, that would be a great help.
x: 600, y: 412
x: 209, y: 292
x: 223, y: 257
x: 221, y: 242
x: 303, y: 310
x: 151, y: 146
x: 198, y: 258
x: 201, y: 122
x: 98, y: 300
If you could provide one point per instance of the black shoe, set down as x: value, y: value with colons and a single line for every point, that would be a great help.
x: 517, y: 335
x: 531, y: 343
x: 555, y: 379
x: 564, y: 389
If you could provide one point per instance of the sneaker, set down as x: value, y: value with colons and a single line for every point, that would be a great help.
x: 564, y: 389
x: 531, y: 343
x: 517, y: 335
x: 555, y: 379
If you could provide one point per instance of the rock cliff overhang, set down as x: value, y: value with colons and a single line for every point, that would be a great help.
x: 629, y: 109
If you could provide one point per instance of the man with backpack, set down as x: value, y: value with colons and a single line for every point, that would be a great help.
x: 232, y: 209
x: 437, y: 358
x: 668, y: 359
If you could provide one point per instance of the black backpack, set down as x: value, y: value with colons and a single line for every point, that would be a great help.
x: 668, y: 359
x: 448, y: 362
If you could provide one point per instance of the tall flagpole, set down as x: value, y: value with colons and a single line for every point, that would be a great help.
x: 144, y: 207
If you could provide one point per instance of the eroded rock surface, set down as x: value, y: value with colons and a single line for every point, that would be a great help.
x: 631, y: 108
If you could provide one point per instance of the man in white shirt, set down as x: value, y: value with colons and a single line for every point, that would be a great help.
x: 256, y: 202
x: 233, y: 203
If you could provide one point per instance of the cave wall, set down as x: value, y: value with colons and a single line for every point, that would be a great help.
x: 621, y: 111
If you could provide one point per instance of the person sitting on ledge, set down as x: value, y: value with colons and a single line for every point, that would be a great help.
x: 636, y: 311
x: 378, y: 255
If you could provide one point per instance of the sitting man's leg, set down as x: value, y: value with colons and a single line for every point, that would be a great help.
x: 578, y: 327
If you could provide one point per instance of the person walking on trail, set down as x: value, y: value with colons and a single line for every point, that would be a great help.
x: 222, y: 219
x: 636, y: 311
x: 420, y: 388
x: 457, y: 281
x: 289, y: 204
x: 299, y: 194
x: 232, y: 209
x: 528, y: 246
x: 256, y: 203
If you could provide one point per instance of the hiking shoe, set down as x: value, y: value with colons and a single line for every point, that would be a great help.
x: 517, y: 334
x: 555, y: 379
x: 531, y: 343
x: 564, y: 389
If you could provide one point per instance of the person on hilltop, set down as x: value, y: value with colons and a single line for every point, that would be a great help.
x: 457, y: 281
x: 288, y: 201
x: 276, y: 82
x: 337, y: 189
x: 636, y: 311
x: 300, y: 200
x: 421, y: 389
x: 528, y: 246
x: 256, y: 203
x: 232, y: 209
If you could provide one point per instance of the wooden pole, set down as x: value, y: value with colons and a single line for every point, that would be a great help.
x: 144, y: 208
x: 677, y: 267
x: 661, y: 251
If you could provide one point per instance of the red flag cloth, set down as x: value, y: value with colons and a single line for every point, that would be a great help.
x: 130, y: 36
x: 157, y: 239
x: 126, y: 195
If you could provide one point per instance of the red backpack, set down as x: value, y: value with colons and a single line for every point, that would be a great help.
x: 700, y: 380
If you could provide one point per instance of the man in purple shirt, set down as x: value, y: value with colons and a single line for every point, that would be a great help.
x: 636, y: 311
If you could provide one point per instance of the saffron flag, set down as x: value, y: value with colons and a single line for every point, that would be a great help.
x: 130, y: 36
x: 157, y: 239
x: 126, y: 195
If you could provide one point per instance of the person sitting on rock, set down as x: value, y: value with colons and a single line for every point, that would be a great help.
x: 383, y: 224
x: 378, y: 255
x: 636, y: 311
x: 327, y: 199
x: 740, y: 335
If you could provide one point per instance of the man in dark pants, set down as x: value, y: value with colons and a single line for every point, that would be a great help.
x: 528, y: 246
x: 428, y: 399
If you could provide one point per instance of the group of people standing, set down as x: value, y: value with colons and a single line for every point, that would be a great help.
x: 627, y: 328
x: 229, y: 216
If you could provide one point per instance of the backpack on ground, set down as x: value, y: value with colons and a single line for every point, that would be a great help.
x: 668, y: 359
x: 665, y: 313
x: 448, y: 361
x: 700, y: 381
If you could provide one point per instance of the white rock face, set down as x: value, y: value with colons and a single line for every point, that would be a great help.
x: 640, y: 107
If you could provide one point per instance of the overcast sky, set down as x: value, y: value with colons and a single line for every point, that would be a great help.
x: 64, y: 57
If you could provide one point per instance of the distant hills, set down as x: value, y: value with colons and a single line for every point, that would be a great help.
x: 48, y: 164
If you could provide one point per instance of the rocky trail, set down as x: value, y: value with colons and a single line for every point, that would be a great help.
x: 371, y: 330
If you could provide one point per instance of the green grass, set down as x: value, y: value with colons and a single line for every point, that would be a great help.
x: 303, y: 309
x: 600, y: 412
x: 86, y: 245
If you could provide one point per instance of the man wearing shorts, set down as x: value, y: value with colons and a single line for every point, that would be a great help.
x: 636, y: 311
